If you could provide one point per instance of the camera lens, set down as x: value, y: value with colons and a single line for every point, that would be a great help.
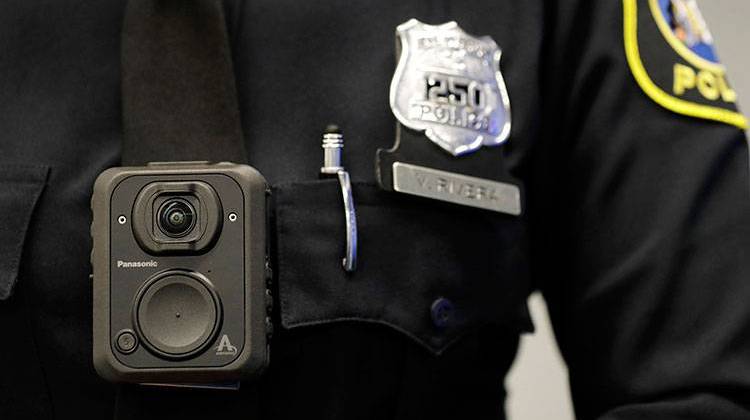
x: 176, y: 217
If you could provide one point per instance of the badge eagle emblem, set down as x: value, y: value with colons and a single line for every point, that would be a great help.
x: 449, y: 85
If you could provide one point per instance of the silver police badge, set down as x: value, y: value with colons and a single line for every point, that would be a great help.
x: 448, y: 84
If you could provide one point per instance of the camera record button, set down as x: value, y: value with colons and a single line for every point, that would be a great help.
x: 177, y: 314
x: 126, y: 342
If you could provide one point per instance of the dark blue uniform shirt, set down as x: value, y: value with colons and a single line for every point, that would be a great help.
x: 636, y: 229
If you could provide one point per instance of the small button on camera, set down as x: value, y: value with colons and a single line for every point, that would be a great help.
x: 126, y: 342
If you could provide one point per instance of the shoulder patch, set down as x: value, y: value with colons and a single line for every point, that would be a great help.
x: 671, y: 54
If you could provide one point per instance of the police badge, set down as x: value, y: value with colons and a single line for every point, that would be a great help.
x: 448, y: 88
x: 449, y: 84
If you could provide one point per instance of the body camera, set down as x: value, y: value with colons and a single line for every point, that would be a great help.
x: 180, y: 273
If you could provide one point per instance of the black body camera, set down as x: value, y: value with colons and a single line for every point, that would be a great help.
x: 180, y: 273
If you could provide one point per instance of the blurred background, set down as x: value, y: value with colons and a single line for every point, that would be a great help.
x: 538, y: 382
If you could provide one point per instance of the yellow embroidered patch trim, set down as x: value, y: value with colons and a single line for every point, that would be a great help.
x: 680, y: 106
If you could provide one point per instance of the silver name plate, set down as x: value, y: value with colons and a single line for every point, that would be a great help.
x: 459, y: 189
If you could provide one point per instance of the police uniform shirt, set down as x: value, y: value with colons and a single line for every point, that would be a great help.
x: 636, y: 221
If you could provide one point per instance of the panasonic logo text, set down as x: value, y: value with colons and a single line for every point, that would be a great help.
x: 137, y: 264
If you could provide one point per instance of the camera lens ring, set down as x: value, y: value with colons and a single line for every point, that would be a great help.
x: 176, y: 217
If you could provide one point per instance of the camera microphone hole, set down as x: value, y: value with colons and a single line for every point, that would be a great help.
x: 122, y: 219
x: 232, y: 217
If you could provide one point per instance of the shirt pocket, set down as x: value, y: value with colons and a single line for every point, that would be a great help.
x: 20, y: 189
x: 429, y: 270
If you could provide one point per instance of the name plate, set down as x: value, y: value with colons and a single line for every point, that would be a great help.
x: 458, y: 189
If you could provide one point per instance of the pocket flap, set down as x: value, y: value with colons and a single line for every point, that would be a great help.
x: 20, y: 188
x: 429, y: 270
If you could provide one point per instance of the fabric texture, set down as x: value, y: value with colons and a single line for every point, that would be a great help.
x: 637, y: 217
x: 178, y: 83
x: 436, y: 261
x: 20, y: 187
x: 646, y: 263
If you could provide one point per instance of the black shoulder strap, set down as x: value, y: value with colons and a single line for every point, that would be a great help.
x: 179, y: 103
x: 178, y: 89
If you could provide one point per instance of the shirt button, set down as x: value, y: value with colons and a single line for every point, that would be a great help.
x: 442, y: 311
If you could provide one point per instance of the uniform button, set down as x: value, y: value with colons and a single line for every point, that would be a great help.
x: 268, y: 272
x: 269, y: 302
x: 442, y: 311
x: 126, y: 342
x: 269, y: 327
